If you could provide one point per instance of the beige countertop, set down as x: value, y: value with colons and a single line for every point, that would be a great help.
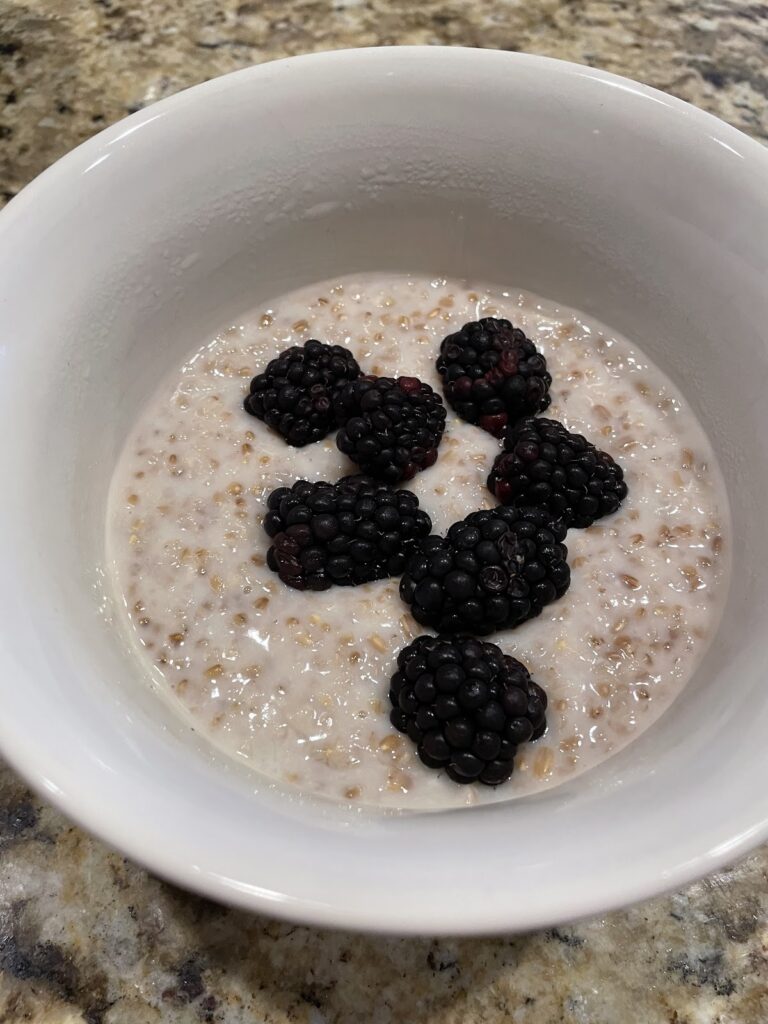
x: 88, y: 938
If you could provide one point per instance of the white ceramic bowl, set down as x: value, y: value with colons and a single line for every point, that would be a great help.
x: 581, y: 186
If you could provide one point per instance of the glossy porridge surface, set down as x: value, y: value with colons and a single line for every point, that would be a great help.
x: 295, y: 683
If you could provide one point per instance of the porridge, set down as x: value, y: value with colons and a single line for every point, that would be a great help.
x: 296, y: 683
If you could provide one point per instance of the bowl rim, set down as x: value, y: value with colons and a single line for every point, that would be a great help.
x: 389, y: 916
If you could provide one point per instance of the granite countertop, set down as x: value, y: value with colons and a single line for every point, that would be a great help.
x: 88, y: 938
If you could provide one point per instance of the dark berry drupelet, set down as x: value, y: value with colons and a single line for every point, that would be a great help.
x: 350, y: 532
x: 547, y: 466
x: 493, y: 374
x: 390, y: 428
x: 466, y: 706
x: 493, y: 570
x: 295, y: 394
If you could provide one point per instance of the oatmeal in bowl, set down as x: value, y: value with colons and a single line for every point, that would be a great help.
x: 336, y: 560
x: 296, y: 682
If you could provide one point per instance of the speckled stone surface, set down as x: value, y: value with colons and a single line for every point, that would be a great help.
x: 87, y: 938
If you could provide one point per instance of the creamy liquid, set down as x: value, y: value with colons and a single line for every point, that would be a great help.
x: 295, y: 684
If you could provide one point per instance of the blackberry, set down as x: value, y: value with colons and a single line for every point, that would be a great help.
x: 390, y: 428
x: 350, y: 532
x: 466, y: 705
x: 493, y: 374
x: 493, y: 570
x: 545, y: 465
x: 294, y: 395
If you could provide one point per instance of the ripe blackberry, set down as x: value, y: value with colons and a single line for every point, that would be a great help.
x: 546, y: 466
x: 466, y: 705
x: 493, y: 374
x: 390, y: 428
x: 493, y: 570
x: 350, y: 532
x: 294, y: 395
